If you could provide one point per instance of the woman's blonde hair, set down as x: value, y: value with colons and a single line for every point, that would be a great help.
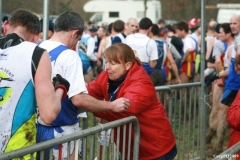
x: 121, y: 53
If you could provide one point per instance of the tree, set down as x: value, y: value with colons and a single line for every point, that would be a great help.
x: 145, y: 7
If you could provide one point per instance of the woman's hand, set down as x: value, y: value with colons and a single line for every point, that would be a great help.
x: 120, y: 105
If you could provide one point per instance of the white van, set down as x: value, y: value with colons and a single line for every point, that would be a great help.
x: 226, y: 11
x: 107, y: 11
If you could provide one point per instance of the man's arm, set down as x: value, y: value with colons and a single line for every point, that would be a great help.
x: 48, y: 101
x: 153, y: 63
x: 237, y: 60
x: 153, y: 51
x: 210, y: 65
x: 173, y: 65
x: 186, y: 54
x: 175, y: 52
x: 209, y: 49
x: 218, y: 63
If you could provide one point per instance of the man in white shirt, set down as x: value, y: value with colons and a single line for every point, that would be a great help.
x: 68, y: 30
x: 144, y: 47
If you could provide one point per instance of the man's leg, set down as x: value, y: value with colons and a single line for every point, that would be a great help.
x: 228, y: 97
x: 221, y: 127
x: 213, y: 117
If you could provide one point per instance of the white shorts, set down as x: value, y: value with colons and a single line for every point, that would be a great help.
x: 47, y: 132
x: 67, y: 130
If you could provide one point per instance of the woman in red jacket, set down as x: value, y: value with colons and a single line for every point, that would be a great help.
x: 234, y: 122
x: 125, y: 77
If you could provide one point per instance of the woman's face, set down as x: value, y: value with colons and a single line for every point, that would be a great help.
x: 116, y: 70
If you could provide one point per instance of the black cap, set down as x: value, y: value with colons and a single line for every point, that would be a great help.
x: 5, y: 18
x: 216, y: 28
x: 50, y: 25
x: 93, y: 28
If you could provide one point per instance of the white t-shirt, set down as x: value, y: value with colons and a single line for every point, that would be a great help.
x: 218, y: 48
x: 69, y: 65
x: 144, y: 47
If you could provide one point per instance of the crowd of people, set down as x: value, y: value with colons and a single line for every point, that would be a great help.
x: 101, y: 69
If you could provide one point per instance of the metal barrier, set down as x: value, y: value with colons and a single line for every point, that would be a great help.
x: 181, y: 104
x: 230, y: 153
x: 118, y: 125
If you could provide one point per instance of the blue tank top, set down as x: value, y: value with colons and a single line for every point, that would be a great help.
x: 232, y: 82
x: 160, y: 48
x: 68, y: 113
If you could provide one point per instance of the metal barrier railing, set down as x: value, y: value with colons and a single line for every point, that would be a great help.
x: 183, y: 112
x: 130, y: 122
x: 181, y: 104
x: 230, y: 153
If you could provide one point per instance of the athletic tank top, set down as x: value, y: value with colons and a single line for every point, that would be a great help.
x: 68, y: 113
x: 82, y: 49
x: 162, y: 53
x: 17, y: 97
x: 192, y: 55
x: 225, y: 59
x: 232, y: 82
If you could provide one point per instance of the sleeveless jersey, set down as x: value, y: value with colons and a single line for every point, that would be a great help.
x: 224, y: 57
x: 192, y: 56
x: 119, y: 38
x: 68, y: 113
x: 17, y: 98
x: 162, y: 53
x: 82, y: 49
x: 232, y: 82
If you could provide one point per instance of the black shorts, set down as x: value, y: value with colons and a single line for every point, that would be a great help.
x: 157, y: 77
x: 228, y: 96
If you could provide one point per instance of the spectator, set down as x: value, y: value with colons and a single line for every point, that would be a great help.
x: 124, y: 77
x: 5, y: 18
x: 175, y: 45
x: 131, y: 26
x: 102, y: 35
x: 218, y: 124
x: 68, y: 29
x: 159, y: 75
x: 195, y: 27
x: 144, y: 47
x: 86, y: 48
x: 25, y: 81
x: 233, y: 117
x: 161, y: 23
x: 119, y: 27
x: 50, y: 30
x: 190, y: 48
x: 232, y: 85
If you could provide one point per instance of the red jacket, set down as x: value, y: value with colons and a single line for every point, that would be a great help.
x: 156, y: 135
x: 234, y: 122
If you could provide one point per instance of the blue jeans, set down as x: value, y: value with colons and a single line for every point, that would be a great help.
x: 170, y: 155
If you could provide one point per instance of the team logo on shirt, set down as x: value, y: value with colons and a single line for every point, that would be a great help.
x: 5, y: 91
